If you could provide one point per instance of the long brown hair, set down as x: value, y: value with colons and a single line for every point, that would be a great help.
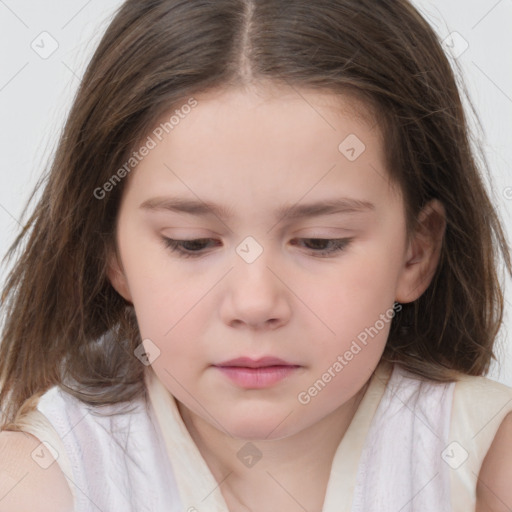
x: 64, y: 322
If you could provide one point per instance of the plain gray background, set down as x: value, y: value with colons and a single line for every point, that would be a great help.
x: 45, y: 47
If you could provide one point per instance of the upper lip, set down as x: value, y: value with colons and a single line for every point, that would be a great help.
x: 255, y: 363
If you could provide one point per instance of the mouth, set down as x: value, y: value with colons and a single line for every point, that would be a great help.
x: 256, y: 373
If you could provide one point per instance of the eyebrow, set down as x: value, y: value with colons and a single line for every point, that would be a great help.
x: 287, y: 212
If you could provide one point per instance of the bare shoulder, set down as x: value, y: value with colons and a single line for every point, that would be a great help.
x: 30, y: 478
x: 494, y: 492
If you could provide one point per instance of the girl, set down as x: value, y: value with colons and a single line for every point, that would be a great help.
x: 262, y: 275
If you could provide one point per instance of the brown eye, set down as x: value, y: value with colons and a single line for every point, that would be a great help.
x: 325, y: 246
x: 187, y: 248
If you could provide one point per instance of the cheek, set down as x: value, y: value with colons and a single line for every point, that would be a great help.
x: 164, y: 311
x: 355, y: 303
x: 161, y: 296
x: 360, y: 287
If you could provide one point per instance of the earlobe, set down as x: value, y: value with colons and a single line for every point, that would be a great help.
x: 117, y: 277
x: 423, y: 253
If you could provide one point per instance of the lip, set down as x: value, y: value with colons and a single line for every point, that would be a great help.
x: 248, y: 362
x: 256, y: 373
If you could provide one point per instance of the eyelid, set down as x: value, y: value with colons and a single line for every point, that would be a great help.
x: 175, y: 245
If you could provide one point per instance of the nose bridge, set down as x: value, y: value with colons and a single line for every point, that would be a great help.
x: 252, y: 264
x: 255, y: 292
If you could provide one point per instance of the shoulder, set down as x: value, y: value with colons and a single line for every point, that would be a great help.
x: 480, y: 404
x: 482, y: 383
x: 486, y: 405
x: 494, y: 492
x: 29, y: 477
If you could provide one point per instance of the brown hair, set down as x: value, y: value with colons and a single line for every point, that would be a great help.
x: 64, y: 322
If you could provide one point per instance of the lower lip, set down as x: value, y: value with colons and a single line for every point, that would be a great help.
x: 257, y: 378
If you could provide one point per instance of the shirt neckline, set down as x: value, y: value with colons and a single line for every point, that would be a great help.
x: 197, y: 486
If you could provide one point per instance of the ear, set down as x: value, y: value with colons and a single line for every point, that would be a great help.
x: 116, y: 276
x: 423, y: 253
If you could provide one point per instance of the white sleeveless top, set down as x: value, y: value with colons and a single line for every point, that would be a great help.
x: 413, y: 446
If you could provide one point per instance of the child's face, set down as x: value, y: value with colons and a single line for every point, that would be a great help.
x: 328, y: 315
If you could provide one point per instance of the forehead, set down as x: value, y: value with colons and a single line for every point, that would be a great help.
x: 264, y: 144
x: 275, y: 116
x: 268, y: 98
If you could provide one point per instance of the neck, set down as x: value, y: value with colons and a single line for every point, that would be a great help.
x: 300, y: 463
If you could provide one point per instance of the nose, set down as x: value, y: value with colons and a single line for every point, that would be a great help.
x: 255, y: 296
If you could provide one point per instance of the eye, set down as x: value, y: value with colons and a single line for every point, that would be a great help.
x: 325, y: 246
x: 187, y: 248
x: 195, y: 248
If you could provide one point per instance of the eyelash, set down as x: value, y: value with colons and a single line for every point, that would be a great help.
x: 177, y: 246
